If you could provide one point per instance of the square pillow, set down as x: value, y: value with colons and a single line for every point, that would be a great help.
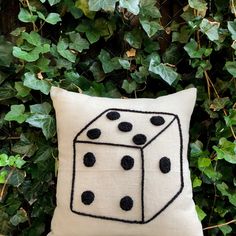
x: 123, y: 168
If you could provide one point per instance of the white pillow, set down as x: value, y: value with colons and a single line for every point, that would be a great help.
x: 123, y: 168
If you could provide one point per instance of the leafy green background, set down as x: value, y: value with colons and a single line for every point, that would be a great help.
x: 114, y: 48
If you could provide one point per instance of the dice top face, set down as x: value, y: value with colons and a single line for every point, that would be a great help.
x: 128, y: 125
x: 123, y: 167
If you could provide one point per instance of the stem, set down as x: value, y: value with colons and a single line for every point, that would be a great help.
x: 28, y: 5
x: 214, y: 201
x: 13, y: 138
x: 206, y: 75
x: 5, y: 184
x: 218, y: 96
x: 233, y: 7
x: 208, y: 85
x: 220, y: 225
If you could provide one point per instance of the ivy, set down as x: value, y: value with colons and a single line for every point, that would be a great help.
x: 114, y: 48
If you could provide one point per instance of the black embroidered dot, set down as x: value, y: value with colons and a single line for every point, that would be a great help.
x: 125, y: 126
x: 165, y: 165
x: 87, y: 197
x: 113, y: 115
x: 126, y: 203
x: 139, y: 139
x: 94, y: 133
x: 89, y: 159
x: 127, y: 162
x: 157, y: 120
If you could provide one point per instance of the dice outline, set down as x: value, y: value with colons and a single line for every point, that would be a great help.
x: 141, y: 148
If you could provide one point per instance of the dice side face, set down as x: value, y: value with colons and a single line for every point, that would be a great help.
x: 110, y: 186
x: 163, y: 177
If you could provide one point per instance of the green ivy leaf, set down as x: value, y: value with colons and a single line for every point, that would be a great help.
x: 203, y: 162
x: 3, y: 160
x: 3, y: 176
x: 32, y: 55
x: 80, y: 81
x: 40, y: 118
x: 219, y: 103
x: 53, y: 18
x: 45, y: 122
x: 151, y: 46
x: 182, y: 35
x: 201, y: 213
x: 223, y: 188
x: 62, y: 48
x: 197, y: 149
x: 232, y: 198
x: 148, y: 9
x: 7, y: 91
x: 134, y: 38
x: 25, y: 16
x: 91, y: 31
x: 164, y: 71
x: 124, y: 63
x: 16, y: 161
x: 193, y: 50
x: 107, y: 5
x: 16, y: 114
x: 41, y: 16
x: 105, y: 27
x: 211, y: 29
x: 226, y: 229
x: 150, y: 27
x: 103, y: 90
x: 22, y: 91
x: 231, y: 67
x: 17, y: 177
x: 84, y: 6
x: 5, y: 227
x: 129, y: 86
x: 45, y: 152
x: 26, y: 145
x: 141, y: 75
x: 226, y: 191
x: 27, y: 56
x: 19, y: 217
x: 232, y: 29
x: 53, y: 2
x: 71, y: 7
x: 43, y: 108
x: 5, y: 52
x: 230, y: 120
x: 108, y: 64
x: 77, y: 42
x: 32, y: 82
x: 131, y: 5
x: 199, y: 5
x: 3, y: 76
x: 32, y: 38
x: 197, y: 182
x: 226, y: 150
x: 97, y: 71
x: 154, y: 60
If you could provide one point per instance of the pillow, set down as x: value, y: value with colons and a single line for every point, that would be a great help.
x: 123, y: 168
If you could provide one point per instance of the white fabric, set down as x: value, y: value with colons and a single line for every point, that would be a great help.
x: 161, y: 193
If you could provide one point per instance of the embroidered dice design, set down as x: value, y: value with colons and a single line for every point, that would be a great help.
x: 127, y: 166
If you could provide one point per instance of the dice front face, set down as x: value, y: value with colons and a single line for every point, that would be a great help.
x: 123, y: 169
x: 107, y: 182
